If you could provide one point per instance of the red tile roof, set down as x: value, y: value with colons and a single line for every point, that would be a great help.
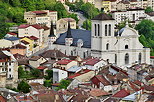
x: 11, y: 33
x: 98, y: 92
x: 27, y: 25
x: 64, y: 61
x: 152, y: 57
x: 25, y: 42
x: 41, y: 67
x: 121, y: 94
x: 33, y: 38
x: 103, y: 80
x: 39, y: 12
x: 2, y: 99
x: 92, y: 61
x: 79, y: 73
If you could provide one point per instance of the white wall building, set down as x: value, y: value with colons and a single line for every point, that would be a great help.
x: 59, y: 74
x: 41, y: 17
x: 130, y: 14
x: 121, y: 49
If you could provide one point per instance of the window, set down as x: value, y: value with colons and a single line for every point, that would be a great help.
x: 107, y: 46
x: 126, y: 58
x: 71, y: 53
x: 109, y: 29
x: 139, y: 58
x: 98, y: 30
x: 105, y: 30
x: 95, y: 30
x: 84, y: 55
x: 115, y: 58
x: 126, y: 46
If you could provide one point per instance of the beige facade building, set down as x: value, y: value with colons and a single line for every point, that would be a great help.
x: 41, y: 17
x: 62, y: 24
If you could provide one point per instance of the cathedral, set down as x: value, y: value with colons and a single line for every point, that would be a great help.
x: 121, y: 48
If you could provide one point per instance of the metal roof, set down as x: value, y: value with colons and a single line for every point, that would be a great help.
x: 77, y: 34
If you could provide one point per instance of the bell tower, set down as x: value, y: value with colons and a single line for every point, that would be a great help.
x: 51, y: 37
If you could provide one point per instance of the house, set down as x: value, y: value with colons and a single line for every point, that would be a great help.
x: 2, y: 99
x: 95, y: 64
x: 23, y: 98
x: 43, y: 69
x: 152, y: 60
x: 14, y: 40
x: 20, y: 49
x: 37, y: 86
x: 100, y: 81
x: 5, y: 43
x: 41, y: 17
x: 11, y: 34
x: 8, y: 69
x: 65, y: 64
x: 36, y: 61
x: 62, y: 24
x: 133, y: 14
x: 26, y: 30
x: 82, y: 76
x: 59, y: 74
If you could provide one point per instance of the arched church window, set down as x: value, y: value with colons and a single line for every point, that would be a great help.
x: 107, y: 46
x: 126, y: 46
x: 126, y: 58
x: 139, y: 58
x: 98, y: 30
x: 105, y: 30
x: 84, y: 55
x: 95, y: 30
x: 115, y: 58
x: 109, y: 29
x: 71, y: 53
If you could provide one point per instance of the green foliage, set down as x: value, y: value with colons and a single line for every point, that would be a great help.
x: 35, y: 72
x: 89, y: 10
x: 64, y: 84
x: 148, y: 9
x: 146, y: 30
x: 87, y: 24
x: 122, y: 25
x: 47, y: 83
x: 14, y: 89
x: 24, y: 87
x: 74, y: 16
x: 50, y: 74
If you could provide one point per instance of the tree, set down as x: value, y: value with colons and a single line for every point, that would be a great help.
x: 146, y: 27
x: 148, y: 9
x: 64, y: 84
x: 47, y: 83
x: 74, y: 16
x: 24, y: 87
x: 50, y: 74
x: 87, y: 24
x: 35, y: 72
x: 89, y: 10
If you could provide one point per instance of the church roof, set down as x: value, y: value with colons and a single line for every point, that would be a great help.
x: 77, y: 34
x: 102, y: 16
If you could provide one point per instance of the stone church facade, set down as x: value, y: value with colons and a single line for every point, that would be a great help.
x: 121, y: 48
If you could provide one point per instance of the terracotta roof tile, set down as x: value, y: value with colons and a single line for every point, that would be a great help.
x: 121, y: 94
x: 12, y: 33
x: 98, y: 92
x: 39, y: 12
x: 64, y: 61
x: 18, y: 46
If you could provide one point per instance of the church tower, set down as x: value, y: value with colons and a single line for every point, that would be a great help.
x: 68, y: 38
x: 102, y: 34
x: 51, y: 37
